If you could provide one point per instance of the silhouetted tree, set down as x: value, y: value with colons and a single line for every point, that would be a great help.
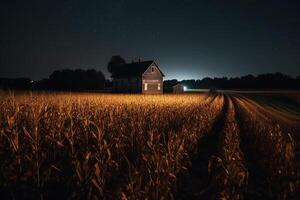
x: 206, y: 83
x: 91, y: 79
x: 114, y: 63
x: 262, y: 81
x: 77, y: 80
x: 168, y: 85
x: 191, y: 84
x: 16, y: 83
x: 108, y: 84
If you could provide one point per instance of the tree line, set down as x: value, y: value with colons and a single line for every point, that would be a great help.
x: 60, y: 80
x: 248, y: 82
x: 67, y: 79
x: 87, y: 80
x: 91, y: 79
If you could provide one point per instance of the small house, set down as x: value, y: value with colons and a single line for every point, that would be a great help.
x: 138, y: 77
x: 178, y: 88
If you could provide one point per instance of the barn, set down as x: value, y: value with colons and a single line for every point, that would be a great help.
x: 178, y: 88
x: 138, y: 77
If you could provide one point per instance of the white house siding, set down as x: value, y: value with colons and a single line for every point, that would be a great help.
x: 152, y: 81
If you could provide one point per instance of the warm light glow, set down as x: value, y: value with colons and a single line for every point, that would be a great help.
x: 146, y: 86
x: 158, y: 86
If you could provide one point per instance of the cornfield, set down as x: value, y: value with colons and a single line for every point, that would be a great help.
x: 105, y: 146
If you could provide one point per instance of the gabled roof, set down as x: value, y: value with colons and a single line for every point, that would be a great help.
x: 133, y: 69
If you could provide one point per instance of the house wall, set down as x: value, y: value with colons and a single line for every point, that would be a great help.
x: 127, y: 85
x: 152, y: 81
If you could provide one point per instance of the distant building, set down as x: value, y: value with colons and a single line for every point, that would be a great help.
x: 138, y: 77
x: 178, y: 88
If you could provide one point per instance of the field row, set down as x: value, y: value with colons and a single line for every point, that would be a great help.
x: 146, y: 147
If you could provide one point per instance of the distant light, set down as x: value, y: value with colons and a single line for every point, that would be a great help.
x: 185, y: 88
x: 31, y: 81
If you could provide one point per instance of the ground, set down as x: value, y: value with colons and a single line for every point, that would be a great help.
x: 188, y: 146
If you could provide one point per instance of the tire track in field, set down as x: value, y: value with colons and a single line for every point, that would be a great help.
x: 273, y: 112
x: 196, y: 185
x: 227, y: 168
x: 273, y: 150
x: 207, y: 97
x: 286, y: 122
x: 257, y: 181
x: 212, y: 98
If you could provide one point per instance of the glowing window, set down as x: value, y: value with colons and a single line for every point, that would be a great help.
x: 146, y: 86
x: 158, y: 86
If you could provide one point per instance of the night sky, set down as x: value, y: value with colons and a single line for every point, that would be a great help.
x: 188, y: 39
